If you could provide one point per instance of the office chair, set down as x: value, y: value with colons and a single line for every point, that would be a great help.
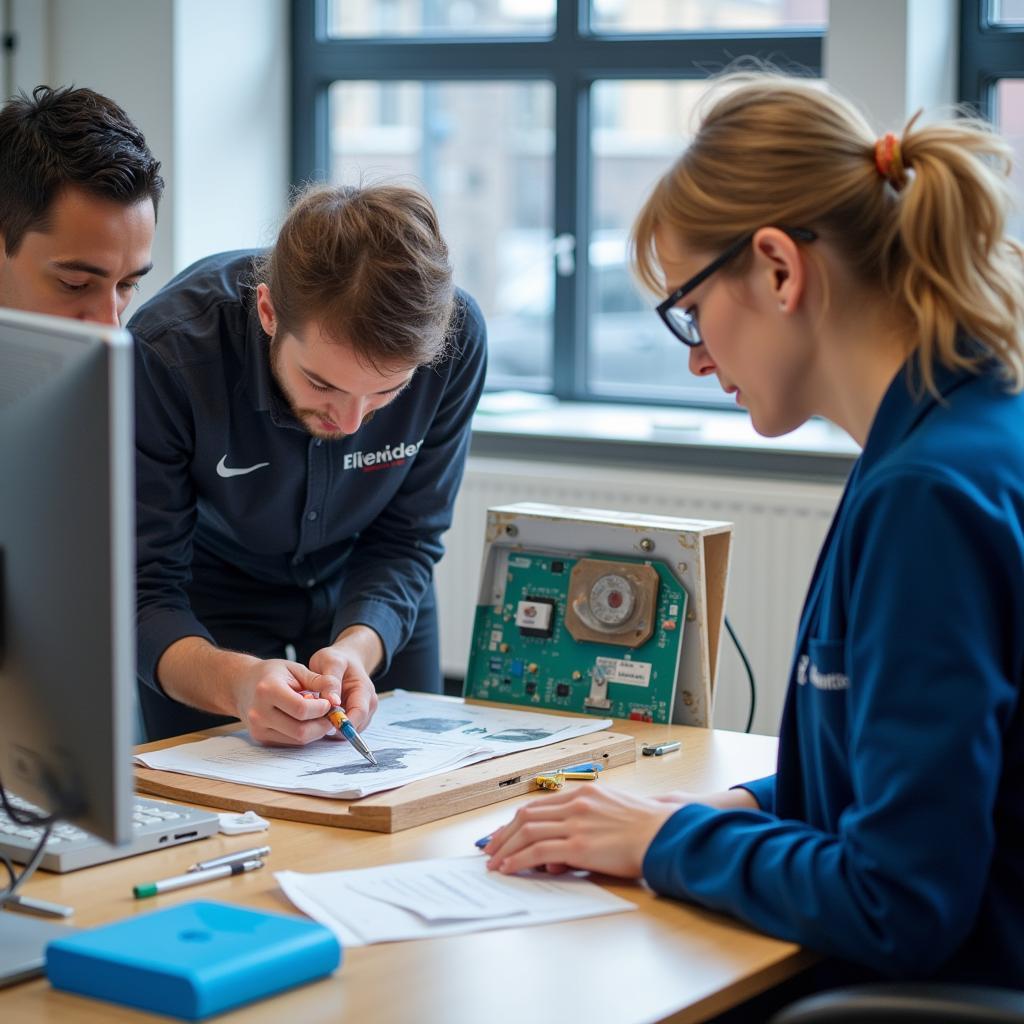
x: 907, y: 1004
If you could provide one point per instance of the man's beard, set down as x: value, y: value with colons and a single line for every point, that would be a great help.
x: 307, y: 417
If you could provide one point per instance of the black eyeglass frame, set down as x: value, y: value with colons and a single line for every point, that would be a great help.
x: 664, y: 309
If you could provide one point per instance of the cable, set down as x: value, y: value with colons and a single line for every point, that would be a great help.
x: 33, y: 862
x: 26, y: 819
x: 750, y: 673
x: 22, y: 817
x: 12, y: 875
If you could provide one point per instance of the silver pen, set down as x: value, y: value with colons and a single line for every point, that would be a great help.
x: 230, y: 858
x: 195, y: 878
x: 657, y: 749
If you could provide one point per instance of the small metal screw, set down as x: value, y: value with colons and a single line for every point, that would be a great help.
x: 512, y: 530
x: 647, y: 544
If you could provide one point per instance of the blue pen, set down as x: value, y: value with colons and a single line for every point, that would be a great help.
x: 337, y: 717
x: 481, y: 843
x: 340, y: 721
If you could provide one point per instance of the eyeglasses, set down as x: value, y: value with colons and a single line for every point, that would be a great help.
x: 681, y: 322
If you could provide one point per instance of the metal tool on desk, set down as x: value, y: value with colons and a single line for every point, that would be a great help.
x: 230, y: 858
x: 658, y: 749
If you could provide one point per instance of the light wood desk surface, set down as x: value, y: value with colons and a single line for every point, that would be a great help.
x: 664, y: 961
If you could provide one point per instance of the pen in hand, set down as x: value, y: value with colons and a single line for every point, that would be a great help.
x: 195, y: 878
x: 340, y: 721
x: 337, y: 717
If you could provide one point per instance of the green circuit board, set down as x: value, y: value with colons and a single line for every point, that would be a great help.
x: 556, y: 671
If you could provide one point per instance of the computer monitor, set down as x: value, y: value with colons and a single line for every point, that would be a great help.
x: 67, y: 569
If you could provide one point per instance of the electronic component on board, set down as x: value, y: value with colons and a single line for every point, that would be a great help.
x: 535, y: 616
x: 612, y: 602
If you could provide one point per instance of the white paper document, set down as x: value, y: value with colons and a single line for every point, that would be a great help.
x: 432, y: 893
x: 412, y: 736
x: 447, y: 896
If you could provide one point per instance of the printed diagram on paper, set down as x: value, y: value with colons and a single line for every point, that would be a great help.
x: 412, y: 736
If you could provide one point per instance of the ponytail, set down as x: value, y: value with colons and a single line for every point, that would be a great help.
x: 922, y: 219
x: 952, y: 264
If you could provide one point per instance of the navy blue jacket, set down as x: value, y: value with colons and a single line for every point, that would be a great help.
x: 892, y: 834
x: 356, y: 523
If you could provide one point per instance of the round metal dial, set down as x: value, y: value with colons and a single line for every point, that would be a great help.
x: 612, y: 599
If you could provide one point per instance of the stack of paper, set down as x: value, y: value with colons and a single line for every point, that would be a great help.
x: 448, y: 896
x: 412, y: 736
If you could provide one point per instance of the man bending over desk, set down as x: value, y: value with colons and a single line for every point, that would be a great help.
x: 303, y: 418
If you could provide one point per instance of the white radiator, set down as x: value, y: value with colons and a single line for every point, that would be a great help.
x: 779, y: 526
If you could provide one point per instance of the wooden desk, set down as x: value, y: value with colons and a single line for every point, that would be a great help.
x: 664, y: 961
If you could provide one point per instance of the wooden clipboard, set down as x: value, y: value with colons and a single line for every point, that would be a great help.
x: 415, y: 804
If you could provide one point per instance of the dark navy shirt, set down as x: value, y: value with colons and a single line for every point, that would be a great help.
x: 232, y: 488
x: 892, y: 834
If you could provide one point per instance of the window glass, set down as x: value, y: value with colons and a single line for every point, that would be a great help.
x: 741, y: 16
x: 1006, y: 12
x: 360, y: 18
x: 1009, y: 116
x: 483, y: 152
x: 639, y: 128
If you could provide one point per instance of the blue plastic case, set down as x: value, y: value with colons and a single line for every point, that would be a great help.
x: 194, y: 959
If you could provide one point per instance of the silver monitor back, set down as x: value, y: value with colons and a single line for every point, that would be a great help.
x: 67, y: 568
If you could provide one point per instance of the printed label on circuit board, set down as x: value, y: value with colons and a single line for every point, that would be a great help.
x: 631, y: 673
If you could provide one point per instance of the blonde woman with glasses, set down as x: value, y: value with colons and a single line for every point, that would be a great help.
x: 819, y: 271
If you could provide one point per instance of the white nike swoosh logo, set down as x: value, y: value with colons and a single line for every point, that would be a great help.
x: 223, y: 470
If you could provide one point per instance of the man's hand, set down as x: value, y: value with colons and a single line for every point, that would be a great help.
x: 270, y: 704
x: 594, y: 827
x: 347, y: 663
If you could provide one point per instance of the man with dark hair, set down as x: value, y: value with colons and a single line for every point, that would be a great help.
x: 79, y: 191
x: 303, y: 422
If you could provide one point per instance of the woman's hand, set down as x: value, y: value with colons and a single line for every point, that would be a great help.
x: 738, y: 799
x: 589, y: 827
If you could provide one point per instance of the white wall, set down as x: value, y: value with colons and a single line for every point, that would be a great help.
x: 28, y: 20
x: 893, y: 57
x: 121, y: 48
x: 231, y: 124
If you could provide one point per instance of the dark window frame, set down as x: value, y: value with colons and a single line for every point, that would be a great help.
x: 572, y: 59
x: 988, y: 52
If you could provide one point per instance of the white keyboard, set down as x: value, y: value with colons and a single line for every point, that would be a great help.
x: 155, y: 825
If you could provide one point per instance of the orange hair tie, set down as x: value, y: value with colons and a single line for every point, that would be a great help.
x: 889, y: 160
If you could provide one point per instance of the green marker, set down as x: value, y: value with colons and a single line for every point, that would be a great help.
x: 195, y: 878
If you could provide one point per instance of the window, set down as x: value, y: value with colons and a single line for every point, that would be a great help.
x: 536, y: 127
x: 992, y: 73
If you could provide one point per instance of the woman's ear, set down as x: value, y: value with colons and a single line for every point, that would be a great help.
x: 782, y: 264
